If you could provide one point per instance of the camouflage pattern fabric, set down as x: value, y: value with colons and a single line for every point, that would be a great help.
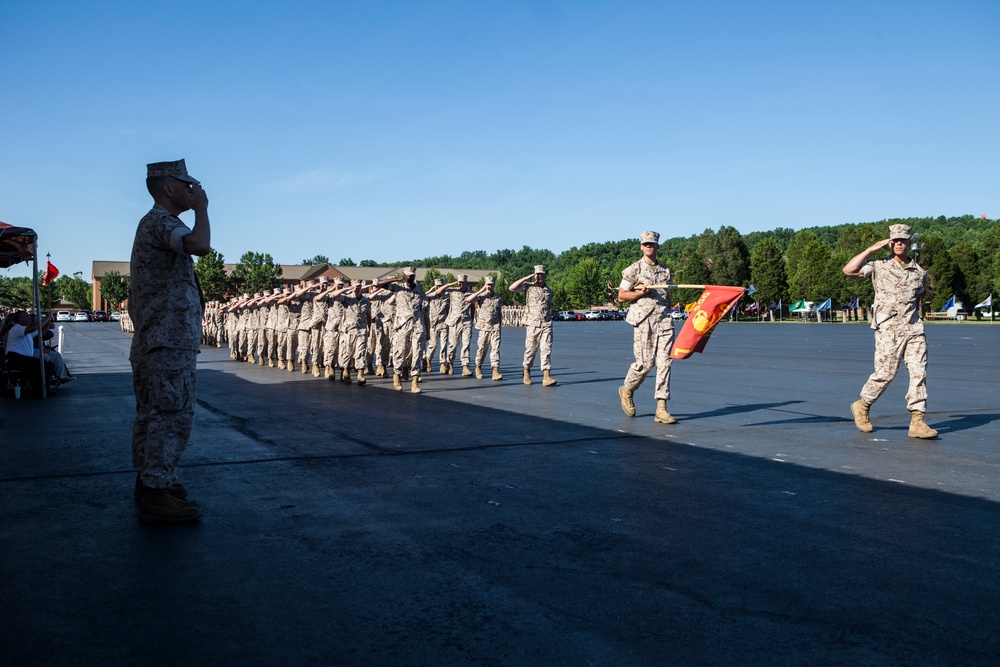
x: 653, y: 328
x: 164, y: 381
x: 899, y: 333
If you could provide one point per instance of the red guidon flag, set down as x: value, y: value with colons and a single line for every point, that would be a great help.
x: 51, y: 273
x: 711, y: 306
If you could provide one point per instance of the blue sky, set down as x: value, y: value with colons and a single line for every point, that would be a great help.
x: 396, y: 130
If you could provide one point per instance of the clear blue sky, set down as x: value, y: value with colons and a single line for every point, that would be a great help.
x: 397, y: 130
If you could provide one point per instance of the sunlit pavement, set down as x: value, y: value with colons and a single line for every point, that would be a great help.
x: 493, y: 523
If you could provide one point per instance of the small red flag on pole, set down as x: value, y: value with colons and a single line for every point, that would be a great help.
x: 51, y: 273
x: 711, y: 306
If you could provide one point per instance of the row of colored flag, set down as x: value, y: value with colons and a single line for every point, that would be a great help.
x: 988, y: 303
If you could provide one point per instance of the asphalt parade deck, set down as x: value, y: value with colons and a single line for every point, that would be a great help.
x: 493, y: 523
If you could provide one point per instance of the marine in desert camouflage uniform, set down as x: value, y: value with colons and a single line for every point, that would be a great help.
x: 281, y: 327
x: 488, y: 306
x: 437, y: 314
x: 653, y: 332
x: 459, y: 321
x: 166, y: 308
x: 331, y: 326
x: 382, y: 307
x: 538, y: 323
x: 316, y: 326
x: 409, y: 327
x: 899, y: 334
x: 354, y: 331
x: 305, y: 325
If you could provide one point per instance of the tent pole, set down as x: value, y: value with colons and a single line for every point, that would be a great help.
x: 37, y: 299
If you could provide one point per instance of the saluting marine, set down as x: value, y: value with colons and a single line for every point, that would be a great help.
x: 409, y: 327
x: 488, y: 308
x: 899, y: 334
x: 538, y: 323
x: 437, y: 313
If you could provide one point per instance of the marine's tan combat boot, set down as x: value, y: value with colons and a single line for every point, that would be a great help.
x: 305, y: 367
x: 479, y: 372
x: 250, y: 359
x: 451, y: 368
x: 380, y: 371
x: 270, y: 363
x: 427, y: 365
x: 527, y: 376
x: 415, y: 385
x: 345, y: 375
x: 662, y: 416
x: 316, y: 371
x: 260, y: 361
x: 625, y: 395
x: 397, y: 382
x: 919, y: 428
x: 496, y: 374
x: 860, y: 411
x: 328, y: 373
x: 444, y: 369
x: 291, y: 366
x: 466, y: 373
x: 361, y: 378
x: 547, y: 379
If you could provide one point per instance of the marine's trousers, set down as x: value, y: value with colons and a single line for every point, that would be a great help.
x: 538, y: 339
x: 894, y: 346
x: 164, y: 382
x: 651, y: 348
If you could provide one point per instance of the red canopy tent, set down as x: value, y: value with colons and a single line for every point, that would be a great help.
x: 20, y: 244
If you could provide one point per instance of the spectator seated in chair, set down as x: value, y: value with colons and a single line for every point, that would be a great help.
x: 19, y: 333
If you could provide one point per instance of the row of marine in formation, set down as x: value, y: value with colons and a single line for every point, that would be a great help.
x: 350, y: 330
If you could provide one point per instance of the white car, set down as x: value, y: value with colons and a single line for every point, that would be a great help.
x: 64, y: 316
x: 679, y: 315
x: 115, y: 316
x: 82, y: 316
x: 592, y: 315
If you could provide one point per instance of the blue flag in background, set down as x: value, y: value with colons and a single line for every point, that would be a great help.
x: 950, y: 304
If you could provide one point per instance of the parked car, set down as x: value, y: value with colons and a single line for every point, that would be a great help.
x: 115, y: 316
x: 99, y: 316
x: 678, y: 315
x: 82, y: 316
x: 592, y: 315
x: 566, y: 315
x: 64, y: 316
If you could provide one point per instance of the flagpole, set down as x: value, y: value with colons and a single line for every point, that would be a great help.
x: 48, y: 283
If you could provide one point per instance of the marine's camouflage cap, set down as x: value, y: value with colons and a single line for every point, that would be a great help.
x: 489, y: 280
x: 338, y: 281
x: 323, y: 280
x: 899, y: 231
x: 438, y: 282
x: 462, y: 277
x: 357, y: 282
x: 540, y: 268
x: 409, y: 271
x: 649, y: 237
x: 176, y: 169
x: 267, y: 292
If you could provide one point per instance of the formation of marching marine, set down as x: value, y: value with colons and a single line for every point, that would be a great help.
x: 350, y: 330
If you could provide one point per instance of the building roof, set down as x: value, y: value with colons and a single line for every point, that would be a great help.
x: 293, y: 273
